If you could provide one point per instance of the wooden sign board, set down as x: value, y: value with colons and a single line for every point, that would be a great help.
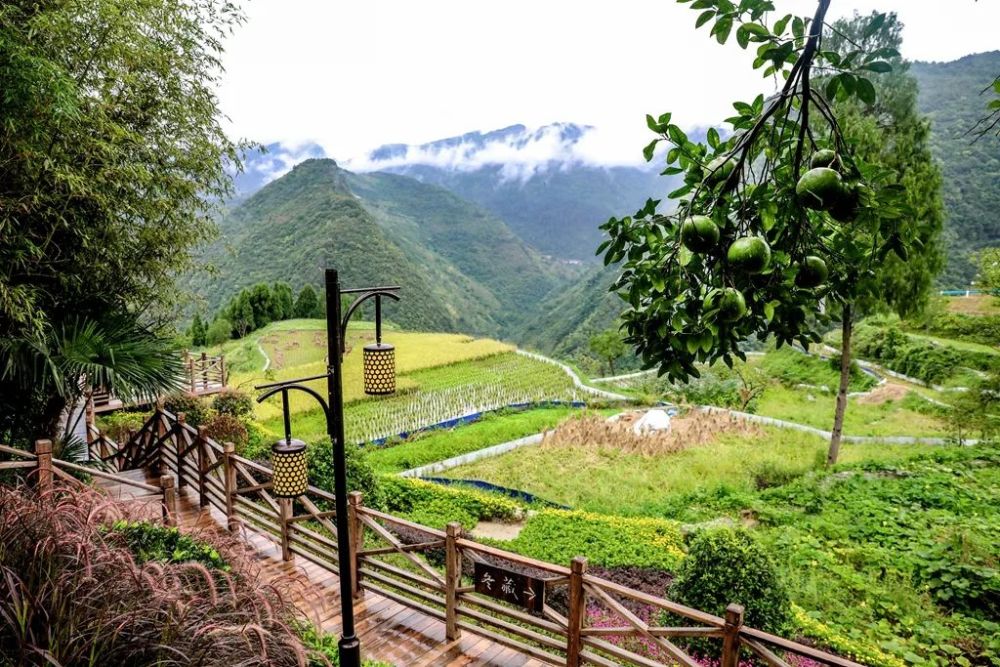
x: 512, y: 587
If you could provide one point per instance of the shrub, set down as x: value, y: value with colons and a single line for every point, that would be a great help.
x: 195, y: 409
x: 919, y: 358
x: 71, y: 594
x: 233, y: 402
x: 150, y: 541
x: 792, y: 368
x: 117, y: 425
x: 557, y: 536
x: 227, y: 428
x: 219, y: 332
x: 435, y: 506
x: 361, y: 476
x: 726, y: 565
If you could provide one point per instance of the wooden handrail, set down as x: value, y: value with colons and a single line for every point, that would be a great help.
x: 408, y: 578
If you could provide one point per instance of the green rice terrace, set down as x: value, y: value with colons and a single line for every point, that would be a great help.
x: 888, y: 558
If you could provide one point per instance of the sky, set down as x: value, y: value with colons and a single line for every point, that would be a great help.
x: 352, y: 76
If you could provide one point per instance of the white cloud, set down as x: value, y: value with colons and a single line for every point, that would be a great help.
x: 355, y: 75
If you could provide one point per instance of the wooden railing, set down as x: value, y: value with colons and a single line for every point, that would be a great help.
x: 203, y: 374
x: 432, y: 570
x: 42, y: 469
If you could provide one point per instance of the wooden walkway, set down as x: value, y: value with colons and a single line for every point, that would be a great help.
x: 388, y: 631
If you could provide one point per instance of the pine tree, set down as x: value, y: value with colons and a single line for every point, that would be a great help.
x: 197, y: 331
x: 307, y: 304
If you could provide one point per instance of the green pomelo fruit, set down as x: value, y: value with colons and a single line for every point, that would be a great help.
x: 719, y: 169
x: 846, y: 207
x: 732, y: 306
x: 825, y: 158
x: 750, y: 254
x: 820, y: 189
x: 812, y: 272
x: 699, y: 233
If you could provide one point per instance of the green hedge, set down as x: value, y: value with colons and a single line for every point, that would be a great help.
x: 149, y: 541
x: 921, y: 359
x: 557, y: 536
x: 435, y: 506
x: 973, y: 329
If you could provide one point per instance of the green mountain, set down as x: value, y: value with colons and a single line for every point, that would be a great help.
x: 461, y: 269
x: 950, y: 96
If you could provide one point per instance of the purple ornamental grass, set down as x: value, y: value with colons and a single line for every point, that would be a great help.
x: 71, y: 594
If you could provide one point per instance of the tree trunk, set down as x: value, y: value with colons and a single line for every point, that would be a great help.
x: 846, y: 329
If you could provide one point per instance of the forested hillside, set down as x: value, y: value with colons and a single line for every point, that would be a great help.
x: 950, y: 96
x: 393, y: 230
x: 534, y: 180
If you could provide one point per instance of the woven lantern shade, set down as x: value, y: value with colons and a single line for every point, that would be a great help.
x: 380, y: 369
x: 291, y: 473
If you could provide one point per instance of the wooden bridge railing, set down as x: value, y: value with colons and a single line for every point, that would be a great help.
x: 203, y: 374
x: 432, y: 571
x: 43, y: 468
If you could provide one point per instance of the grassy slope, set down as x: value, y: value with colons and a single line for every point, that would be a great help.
x: 607, y: 481
x: 865, y: 419
x: 494, y: 429
x: 297, y: 348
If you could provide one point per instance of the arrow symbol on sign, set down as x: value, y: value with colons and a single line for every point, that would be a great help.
x: 530, y: 593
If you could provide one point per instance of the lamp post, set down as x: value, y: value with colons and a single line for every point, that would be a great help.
x: 333, y: 408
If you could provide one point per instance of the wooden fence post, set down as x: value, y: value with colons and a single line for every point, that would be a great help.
x: 577, y: 611
x: 202, y: 468
x: 179, y: 449
x: 284, y: 514
x: 190, y: 373
x: 731, y: 639
x: 43, y: 452
x: 89, y: 418
x: 157, y: 461
x: 357, y: 539
x: 169, y: 500
x: 204, y: 370
x: 222, y: 369
x: 453, y: 579
x: 228, y: 451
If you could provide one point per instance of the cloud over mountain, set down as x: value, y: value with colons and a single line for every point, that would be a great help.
x: 520, y: 152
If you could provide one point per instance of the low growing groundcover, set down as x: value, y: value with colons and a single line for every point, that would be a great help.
x: 890, y: 559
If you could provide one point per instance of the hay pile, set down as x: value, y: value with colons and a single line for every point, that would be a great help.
x: 693, y: 429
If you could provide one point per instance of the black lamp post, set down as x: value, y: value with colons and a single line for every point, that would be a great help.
x: 333, y: 407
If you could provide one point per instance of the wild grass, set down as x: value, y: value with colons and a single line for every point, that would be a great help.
x: 815, y: 408
x: 71, y: 593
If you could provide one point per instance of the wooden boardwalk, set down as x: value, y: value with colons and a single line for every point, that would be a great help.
x: 388, y: 631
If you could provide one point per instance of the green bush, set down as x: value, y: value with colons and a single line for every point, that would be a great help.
x: 792, y: 367
x: 233, y: 402
x: 726, y: 565
x: 557, y: 536
x: 118, y: 424
x: 922, y: 359
x: 195, y: 409
x: 361, y: 476
x: 227, y: 428
x: 219, y: 331
x: 322, y: 645
x: 435, y: 506
x: 971, y: 328
x: 150, y: 541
